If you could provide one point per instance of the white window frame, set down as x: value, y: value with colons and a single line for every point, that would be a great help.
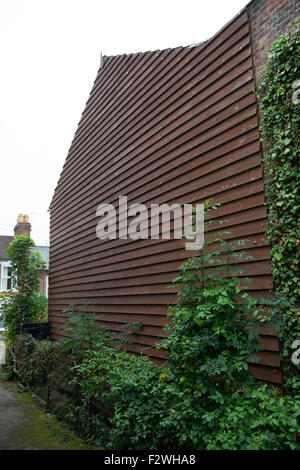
x: 4, y: 265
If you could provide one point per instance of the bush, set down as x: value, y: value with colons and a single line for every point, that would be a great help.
x: 81, y: 333
x: 32, y: 359
x: 121, y: 393
x: 122, y: 401
x: 254, y: 418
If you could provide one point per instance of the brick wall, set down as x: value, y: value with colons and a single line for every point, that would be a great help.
x: 22, y: 229
x: 268, y: 19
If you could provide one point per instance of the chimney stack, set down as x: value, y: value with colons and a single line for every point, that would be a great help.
x: 23, y: 226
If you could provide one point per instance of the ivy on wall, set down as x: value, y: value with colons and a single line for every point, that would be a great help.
x: 279, y: 93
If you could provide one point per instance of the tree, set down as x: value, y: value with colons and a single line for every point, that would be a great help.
x: 26, y: 270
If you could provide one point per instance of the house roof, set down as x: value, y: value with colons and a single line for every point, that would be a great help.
x: 4, y: 242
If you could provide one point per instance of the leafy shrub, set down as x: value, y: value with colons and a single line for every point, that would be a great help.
x: 211, y: 339
x: 24, y: 346
x: 121, y: 393
x: 123, y: 401
x: 213, y: 332
x: 254, y: 418
x: 215, y: 325
x: 81, y: 332
x: 32, y: 359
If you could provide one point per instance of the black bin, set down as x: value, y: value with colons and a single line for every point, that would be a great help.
x: 37, y: 330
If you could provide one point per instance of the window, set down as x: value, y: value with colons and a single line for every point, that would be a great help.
x: 5, y: 277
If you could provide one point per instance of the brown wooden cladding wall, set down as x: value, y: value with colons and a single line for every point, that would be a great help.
x: 178, y: 125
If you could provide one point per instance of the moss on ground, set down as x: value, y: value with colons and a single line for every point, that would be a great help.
x: 43, y: 431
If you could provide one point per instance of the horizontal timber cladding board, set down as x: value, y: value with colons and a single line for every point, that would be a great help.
x: 238, y: 226
x: 187, y: 168
x: 157, y: 284
x: 228, y: 190
x: 179, y: 141
x: 187, y: 173
x: 161, y: 92
x: 259, y: 282
x: 233, y: 215
x: 161, y: 273
x: 200, y: 114
x: 173, y: 149
x: 164, y: 270
x: 180, y: 77
x: 178, y: 67
x: 150, y: 253
x: 124, y: 270
x: 172, y: 126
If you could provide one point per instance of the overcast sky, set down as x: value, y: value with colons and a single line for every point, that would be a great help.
x: 49, y: 58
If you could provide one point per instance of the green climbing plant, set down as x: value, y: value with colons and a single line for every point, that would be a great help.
x: 21, y: 305
x: 278, y: 92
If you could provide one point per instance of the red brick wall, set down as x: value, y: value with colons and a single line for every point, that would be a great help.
x: 268, y: 19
